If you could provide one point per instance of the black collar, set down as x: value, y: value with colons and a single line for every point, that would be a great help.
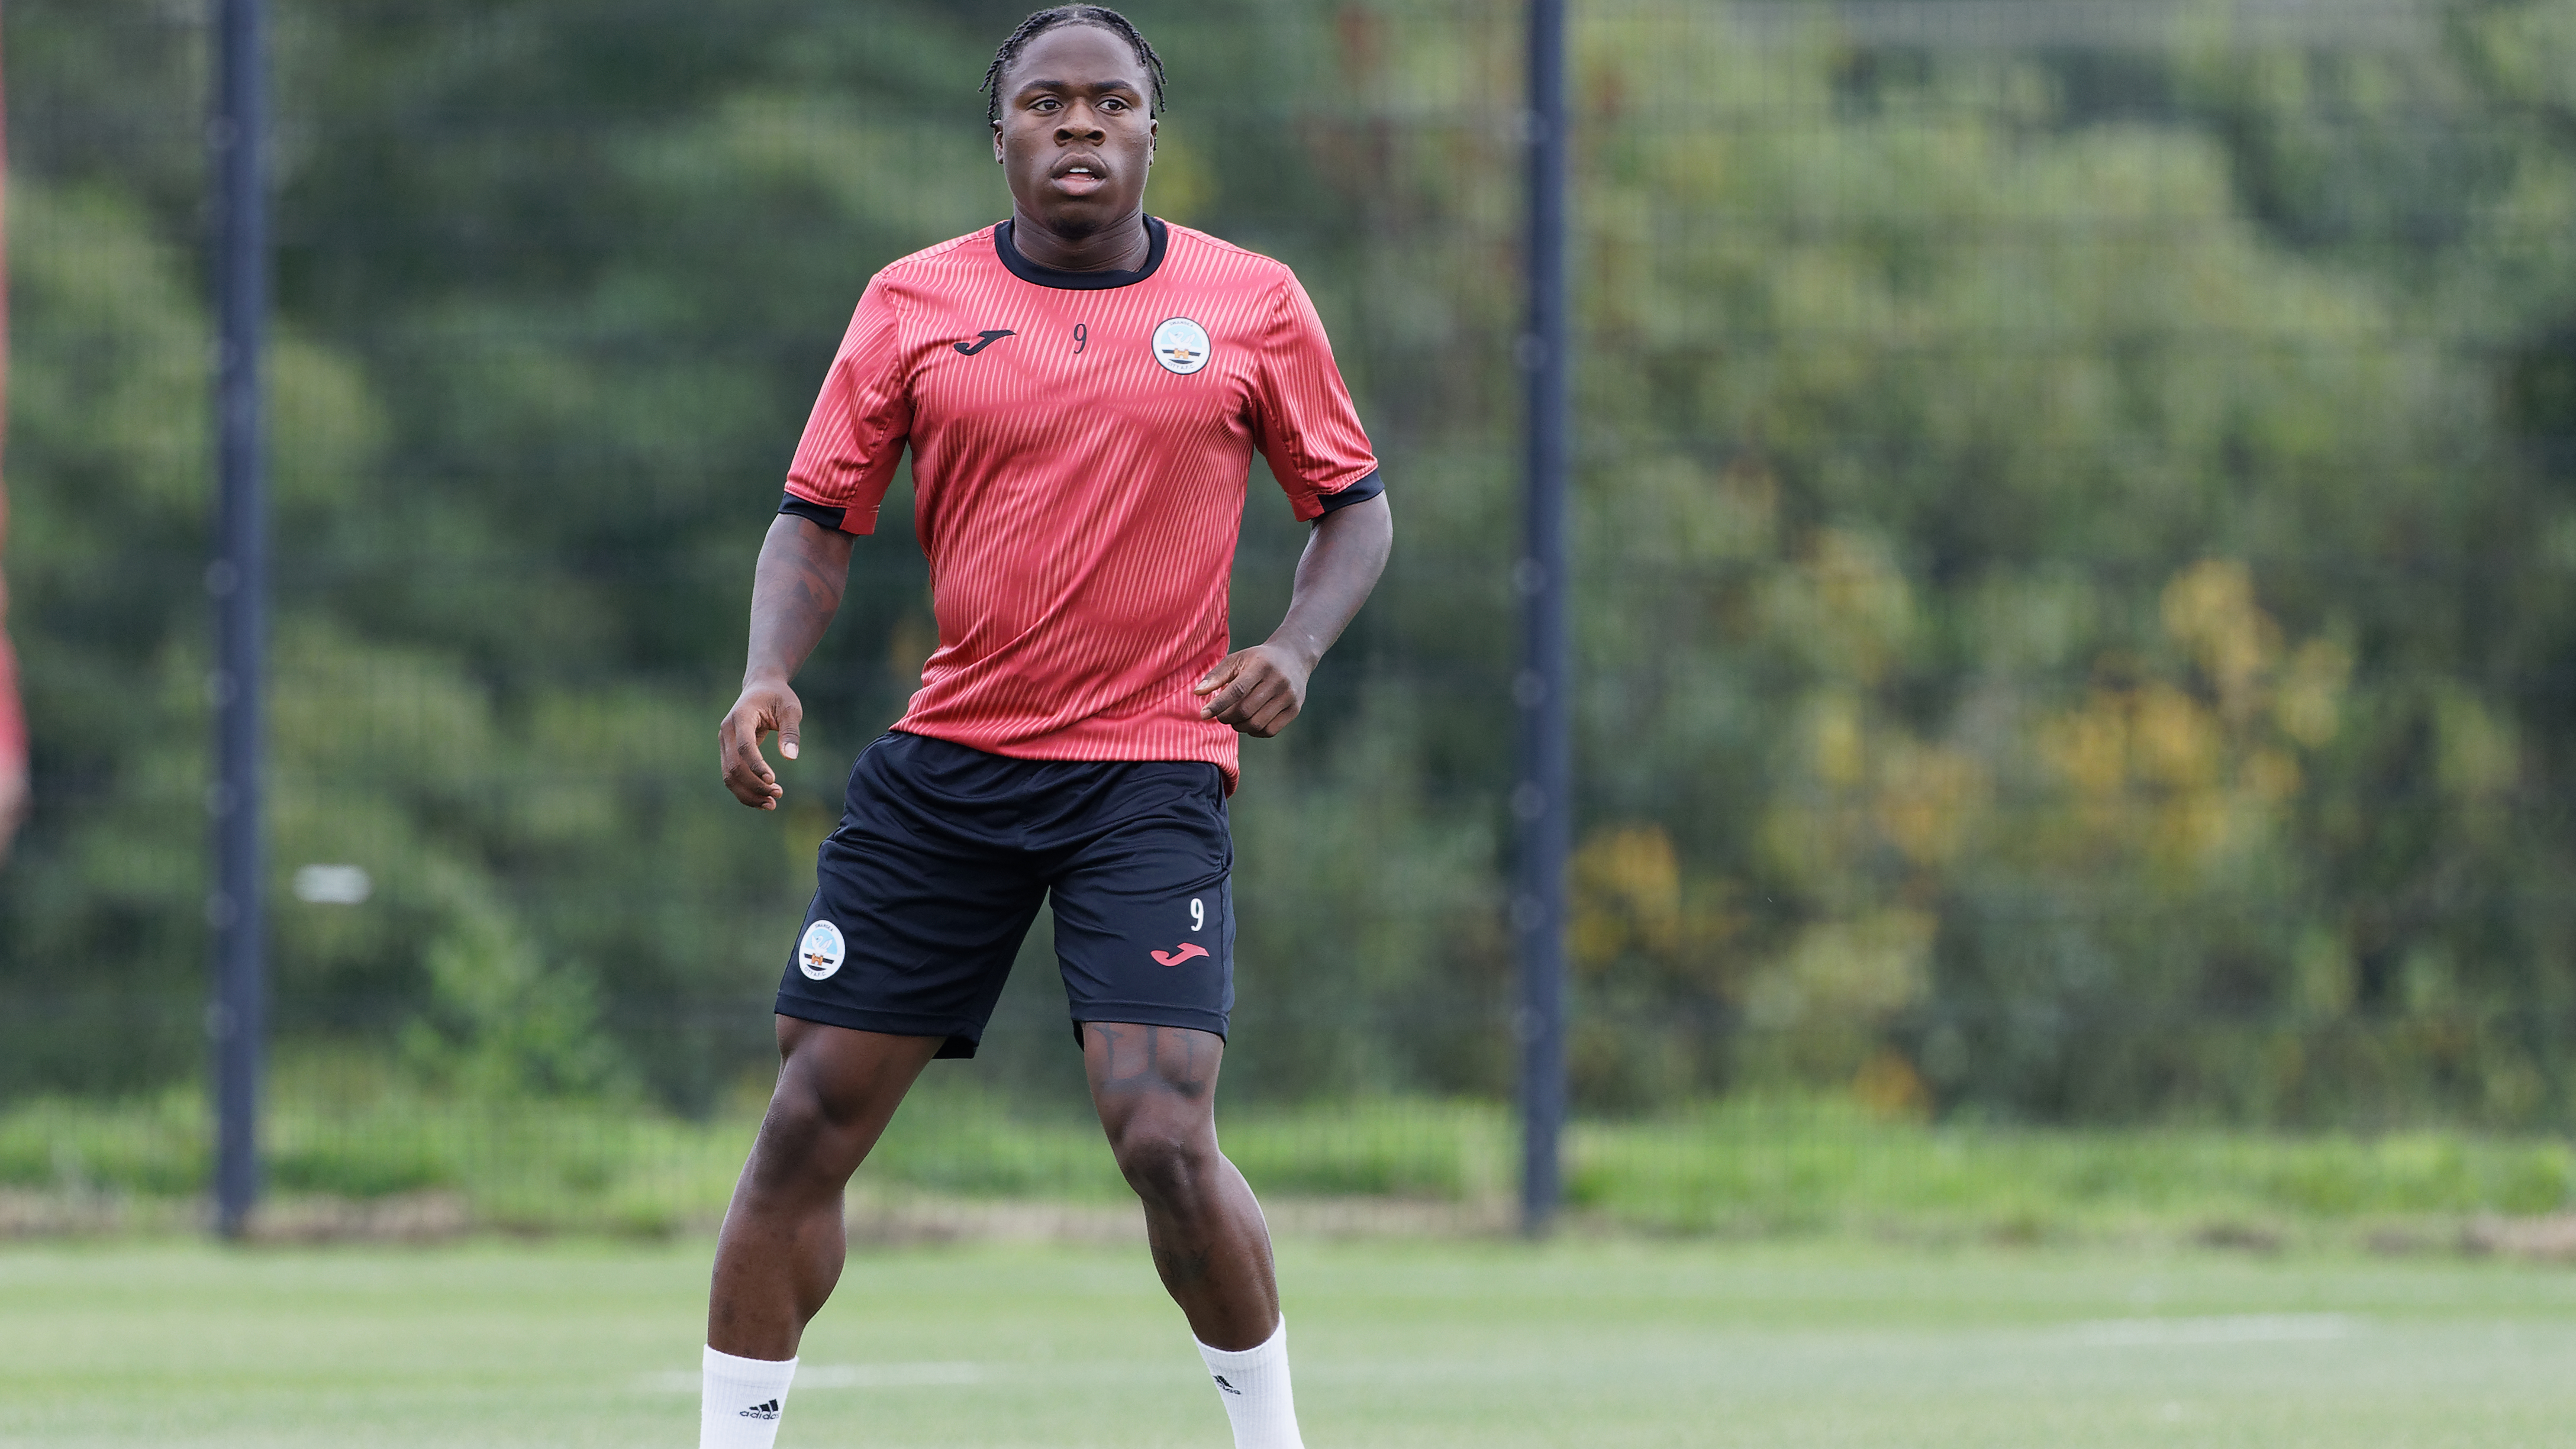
x: 1029, y: 271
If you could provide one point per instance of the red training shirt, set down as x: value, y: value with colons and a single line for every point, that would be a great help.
x: 1080, y: 445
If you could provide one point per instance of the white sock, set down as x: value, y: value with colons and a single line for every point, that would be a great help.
x: 739, y: 1406
x: 1254, y: 1385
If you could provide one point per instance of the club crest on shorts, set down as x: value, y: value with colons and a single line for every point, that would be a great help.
x: 820, y: 953
x: 1181, y: 345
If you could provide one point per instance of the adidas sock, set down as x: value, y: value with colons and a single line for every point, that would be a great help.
x: 738, y: 1407
x: 1254, y: 1385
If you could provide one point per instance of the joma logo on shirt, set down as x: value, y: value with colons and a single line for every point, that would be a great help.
x: 990, y: 336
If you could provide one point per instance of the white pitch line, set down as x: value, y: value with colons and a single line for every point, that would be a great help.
x: 2233, y: 1328
x: 845, y: 1376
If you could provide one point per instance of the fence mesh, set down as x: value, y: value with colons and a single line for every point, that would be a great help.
x: 2073, y: 608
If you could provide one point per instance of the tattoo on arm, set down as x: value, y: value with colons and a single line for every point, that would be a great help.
x: 796, y: 589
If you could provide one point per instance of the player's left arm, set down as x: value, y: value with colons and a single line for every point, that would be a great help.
x: 1260, y: 689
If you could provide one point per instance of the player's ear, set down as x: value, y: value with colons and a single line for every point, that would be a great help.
x: 997, y: 143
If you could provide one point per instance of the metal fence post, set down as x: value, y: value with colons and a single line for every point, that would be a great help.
x: 238, y: 582
x: 1542, y: 799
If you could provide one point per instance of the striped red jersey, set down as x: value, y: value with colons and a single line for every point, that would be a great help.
x: 1080, y: 444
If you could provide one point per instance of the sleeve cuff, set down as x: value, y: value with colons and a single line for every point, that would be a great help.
x: 813, y: 512
x: 1359, y: 491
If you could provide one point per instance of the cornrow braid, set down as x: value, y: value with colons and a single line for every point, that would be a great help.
x: 1059, y: 15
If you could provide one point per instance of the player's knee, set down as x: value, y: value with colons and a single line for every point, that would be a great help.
x: 796, y: 1136
x: 1164, y: 1162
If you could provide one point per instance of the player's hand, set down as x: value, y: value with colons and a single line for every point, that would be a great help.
x: 765, y: 705
x: 1256, y: 690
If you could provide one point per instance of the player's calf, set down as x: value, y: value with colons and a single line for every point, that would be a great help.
x: 783, y: 1242
x: 1155, y: 1088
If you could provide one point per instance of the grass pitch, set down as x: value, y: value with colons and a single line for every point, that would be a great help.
x: 1743, y: 1166
x: 1491, y: 1345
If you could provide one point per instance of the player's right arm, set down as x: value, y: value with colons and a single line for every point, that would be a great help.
x: 794, y: 593
x: 843, y: 463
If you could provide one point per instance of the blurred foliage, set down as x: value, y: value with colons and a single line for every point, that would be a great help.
x: 2075, y: 550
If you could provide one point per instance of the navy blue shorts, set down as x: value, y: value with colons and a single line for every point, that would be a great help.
x: 943, y: 856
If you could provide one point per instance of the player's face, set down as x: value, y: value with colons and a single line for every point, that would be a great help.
x: 1075, y: 140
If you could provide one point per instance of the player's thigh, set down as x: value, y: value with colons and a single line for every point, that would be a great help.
x: 1154, y: 1086
x: 836, y: 1090
x: 914, y: 924
x: 1144, y: 911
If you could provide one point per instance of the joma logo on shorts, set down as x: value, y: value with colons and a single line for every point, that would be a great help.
x: 1186, y: 951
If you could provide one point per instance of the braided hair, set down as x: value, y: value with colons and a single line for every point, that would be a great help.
x: 1060, y: 15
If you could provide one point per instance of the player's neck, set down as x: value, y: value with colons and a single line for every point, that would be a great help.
x: 1123, y: 247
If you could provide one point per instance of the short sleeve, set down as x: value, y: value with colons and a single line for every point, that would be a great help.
x: 1305, y: 423
x: 859, y: 424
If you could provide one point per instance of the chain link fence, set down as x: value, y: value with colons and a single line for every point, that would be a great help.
x: 2074, y: 558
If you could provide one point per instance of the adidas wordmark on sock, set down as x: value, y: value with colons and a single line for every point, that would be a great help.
x: 1253, y: 1382
x: 740, y: 1399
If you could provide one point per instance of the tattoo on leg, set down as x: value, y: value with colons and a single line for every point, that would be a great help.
x: 1181, y: 1269
x: 1151, y: 1058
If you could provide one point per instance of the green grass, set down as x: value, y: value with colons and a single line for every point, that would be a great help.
x: 1793, y: 1166
x: 1592, y: 1343
x: 1739, y: 1168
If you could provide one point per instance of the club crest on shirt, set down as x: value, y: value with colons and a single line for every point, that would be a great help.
x: 1181, y: 345
x: 819, y: 954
